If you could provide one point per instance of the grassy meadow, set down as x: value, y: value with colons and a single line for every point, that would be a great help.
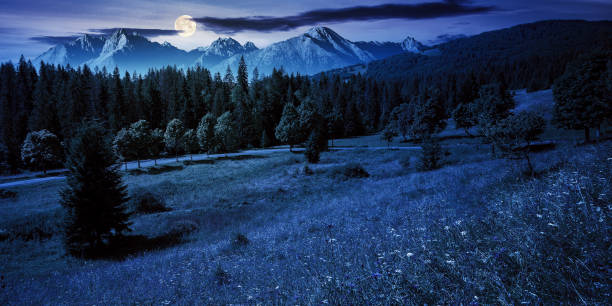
x: 363, y: 226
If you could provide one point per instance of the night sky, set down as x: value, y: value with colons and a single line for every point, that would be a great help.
x: 31, y: 27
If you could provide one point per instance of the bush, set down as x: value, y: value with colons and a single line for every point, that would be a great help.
x: 221, y: 276
x: 405, y: 161
x: 240, y: 240
x: 143, y: 201
x: 351, y: 170
x: 431, y: 155
x: 182, y: 227
x: 313, y: 150
x: 7, y: 194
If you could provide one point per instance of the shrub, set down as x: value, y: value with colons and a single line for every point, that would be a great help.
x: 431, y: 155
x: 240, y: 240
x: 313, y: 150
x: 404, y: 161
x: 7, y: 194
x: 182, y: 227
x: 351, y: 170
x: 143, y: 201
x: 221, y: 276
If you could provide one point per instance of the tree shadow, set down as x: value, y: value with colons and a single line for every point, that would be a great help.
x: 123, y: 247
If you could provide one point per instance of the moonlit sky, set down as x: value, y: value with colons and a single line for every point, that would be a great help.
x: 31, y: 27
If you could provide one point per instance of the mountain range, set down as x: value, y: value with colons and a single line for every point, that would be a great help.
x: 319, y: 49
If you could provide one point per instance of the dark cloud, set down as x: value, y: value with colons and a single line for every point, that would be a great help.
x: 446, y: 37
x: 357, y: 13
x: 143, y: 32
x: 54, y: 40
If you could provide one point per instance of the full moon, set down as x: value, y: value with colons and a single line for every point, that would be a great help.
x: 185, y: 25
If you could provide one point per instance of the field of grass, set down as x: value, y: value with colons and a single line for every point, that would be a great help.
x: 272, y: 229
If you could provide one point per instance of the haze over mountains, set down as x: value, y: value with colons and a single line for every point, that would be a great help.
x: 317, y: 50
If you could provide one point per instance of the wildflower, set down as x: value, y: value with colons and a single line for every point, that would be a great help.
x: 409, y: 254
x: 552, y: 224
x: 450, y: 262
x: 539, y: 216
x: 398, y: 271
x: 463, y: 233
x: 446, y: 228
x: 325, y: 301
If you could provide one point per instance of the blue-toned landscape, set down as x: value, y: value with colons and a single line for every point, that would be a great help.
x: 330, y: 152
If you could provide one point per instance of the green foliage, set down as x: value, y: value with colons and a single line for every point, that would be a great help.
x: 401, y: 119
x: 583, y: 94
x: 431, y: 155
x: 289, y: 129
x: 513, y: 135
x: 313, y: 148
x: 174, y: 135
x: 206, y: 132
x: 95, y: 197
x: 191, y: 142
x: 492, y: 105
x: 388, y: 134
x: 428, y: 116
x: 464, y: 118
x: 41, y: 150
x: 157, y: 143
x: 143, y: 201
x: 225, y: 133
x: 350, y: 170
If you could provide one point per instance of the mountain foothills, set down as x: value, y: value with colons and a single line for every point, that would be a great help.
x: 317, y: 50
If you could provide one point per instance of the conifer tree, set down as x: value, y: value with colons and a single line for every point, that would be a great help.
x: 95, y: 197
x: 289, y: 129
x: 190, y: 140
x: 206, y: 133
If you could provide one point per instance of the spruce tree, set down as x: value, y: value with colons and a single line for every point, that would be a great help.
x: 95, y: 197
x: 206, y: 132
x: 190, y: 140
x: 289, y: 129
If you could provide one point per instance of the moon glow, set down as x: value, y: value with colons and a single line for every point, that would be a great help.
x: 185, y: 25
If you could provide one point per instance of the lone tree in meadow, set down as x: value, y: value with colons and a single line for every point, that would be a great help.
x: 583, y: 94
x: 174, y: 135
x: 515, y: 134
x: 206, y: 132
x: 464, y: 118
x: 335, y: 125
x: 95, y: 197
x: 289, y: 130
x: 190, y: 140
x: 41, y: 150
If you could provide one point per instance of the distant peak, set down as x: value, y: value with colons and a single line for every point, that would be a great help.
x: 250, y: 46
x: 320, y: 31
x: 412, y: 45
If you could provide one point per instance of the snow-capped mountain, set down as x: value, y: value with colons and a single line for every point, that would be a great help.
x: 75, y: 52
x: 133, y: 52
x: 317, y: 50
x: 221, y: 49
x: 381, y: 50
x: 412, y: 45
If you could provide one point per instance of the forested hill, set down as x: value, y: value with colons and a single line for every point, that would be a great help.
x: 527, y: 55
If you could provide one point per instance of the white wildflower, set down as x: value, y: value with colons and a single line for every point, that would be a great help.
x: 463, y: 233
x: 409, y: 254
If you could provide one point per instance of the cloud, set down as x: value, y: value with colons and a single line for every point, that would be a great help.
x: 446, y: 38
x: 54, y: 40
x: 143, y: 32
x: 357, y: 13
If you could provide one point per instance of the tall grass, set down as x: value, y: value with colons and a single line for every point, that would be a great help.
x: 475, y: 231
